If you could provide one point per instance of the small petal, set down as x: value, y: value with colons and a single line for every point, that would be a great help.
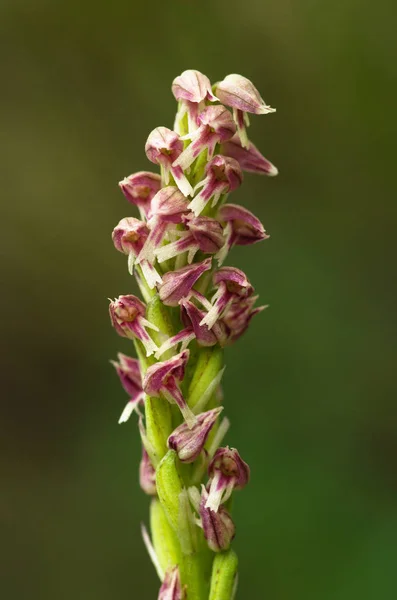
x: 227, y: 471
x: 188, y: 443
x: 178, y: 284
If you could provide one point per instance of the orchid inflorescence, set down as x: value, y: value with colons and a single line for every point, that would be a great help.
x: 193, y: 306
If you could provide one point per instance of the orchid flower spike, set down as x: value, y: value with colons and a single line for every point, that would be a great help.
x: 249, y: 158
x: 140, y: 188
x: 241, y: 95
x: 127, y: 315
x: 216, y: 126
x: 163, y: 378
x: 192, y: 89
x: 163, y: 147
x: 223, y: 175
x: 227, y: 472
x: 129, y: 373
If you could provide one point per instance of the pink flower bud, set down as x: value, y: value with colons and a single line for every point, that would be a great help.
x: 231, y: 283
x: 163, y: 147
x: 127, y: 317
x: 178, y: 284
x: 188, y: 443
x: 140, y: 188
x: 227, y: 472
x: 218, y: 526
x: 147, y: 474
x: 163, y: 378
x: 250, y: 159
x: 171, y: 588
x: 216, y: 126
x: 130, y: 235
x: 223, y: 175
x: 241, y: 95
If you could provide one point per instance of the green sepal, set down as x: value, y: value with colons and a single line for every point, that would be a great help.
x: 209, y: 362
x: 164, y: 539
x: 169, y: 487
x: 224, y: 576
x: 158, y: 427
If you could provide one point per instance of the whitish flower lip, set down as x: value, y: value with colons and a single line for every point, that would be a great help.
x: 227, y: 471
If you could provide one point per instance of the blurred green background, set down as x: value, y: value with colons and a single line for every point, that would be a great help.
x: 310, y: 389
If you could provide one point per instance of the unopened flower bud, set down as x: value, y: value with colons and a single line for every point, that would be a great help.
x: 249, y: 158
x: 216, y: 126
x: 178, y: 284
x: 147, y: 475
x: 129, y: 372
x: 139, y: 189
x: 189, y: 443
x: 218, y: 527
x: 227, y: 472
x: 171, y: 588
x: 241, y: 95
x: 163, y: 147
x: 127, y: 317
x: 223, y: 175
x: 163, y: 378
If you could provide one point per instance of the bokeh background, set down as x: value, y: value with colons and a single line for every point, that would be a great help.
x: 310, y: 389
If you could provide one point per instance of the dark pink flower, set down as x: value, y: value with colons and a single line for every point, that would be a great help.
x: 129, y: 372
x: 127, y: 315
x: 163, y: 147
x: 189, y: 443
x: 227, y: 472
x: 139, y: 189
x: 171, y: 588
x: 178, y: 284
x: 192, y: 89
x: 218, y: 527
x: 163, y: 378
x: 223, y: 175
x: 249, y: 158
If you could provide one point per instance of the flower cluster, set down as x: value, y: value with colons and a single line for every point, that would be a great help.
x: 193, y: 307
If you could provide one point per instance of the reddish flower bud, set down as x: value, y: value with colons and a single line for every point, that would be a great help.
x: 188, y: 443
x: 147, y: 474
x: 223, y: 175
x: 250, y: 159
x: 129, y: 372
x: 127, y: 317
x: 163, y: 147
x: 239, y: 93
x: 139, y: 189
x: 178, y: 284
x: 171, y: 588
x: 163, y: 378
x: 216, y: 126
x: 227, y: 472
x: 218, y: 527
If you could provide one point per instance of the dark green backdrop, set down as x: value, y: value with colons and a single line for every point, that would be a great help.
x: 310, y: 389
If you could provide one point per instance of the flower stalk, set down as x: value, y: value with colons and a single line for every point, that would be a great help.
x: 192, y: 308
